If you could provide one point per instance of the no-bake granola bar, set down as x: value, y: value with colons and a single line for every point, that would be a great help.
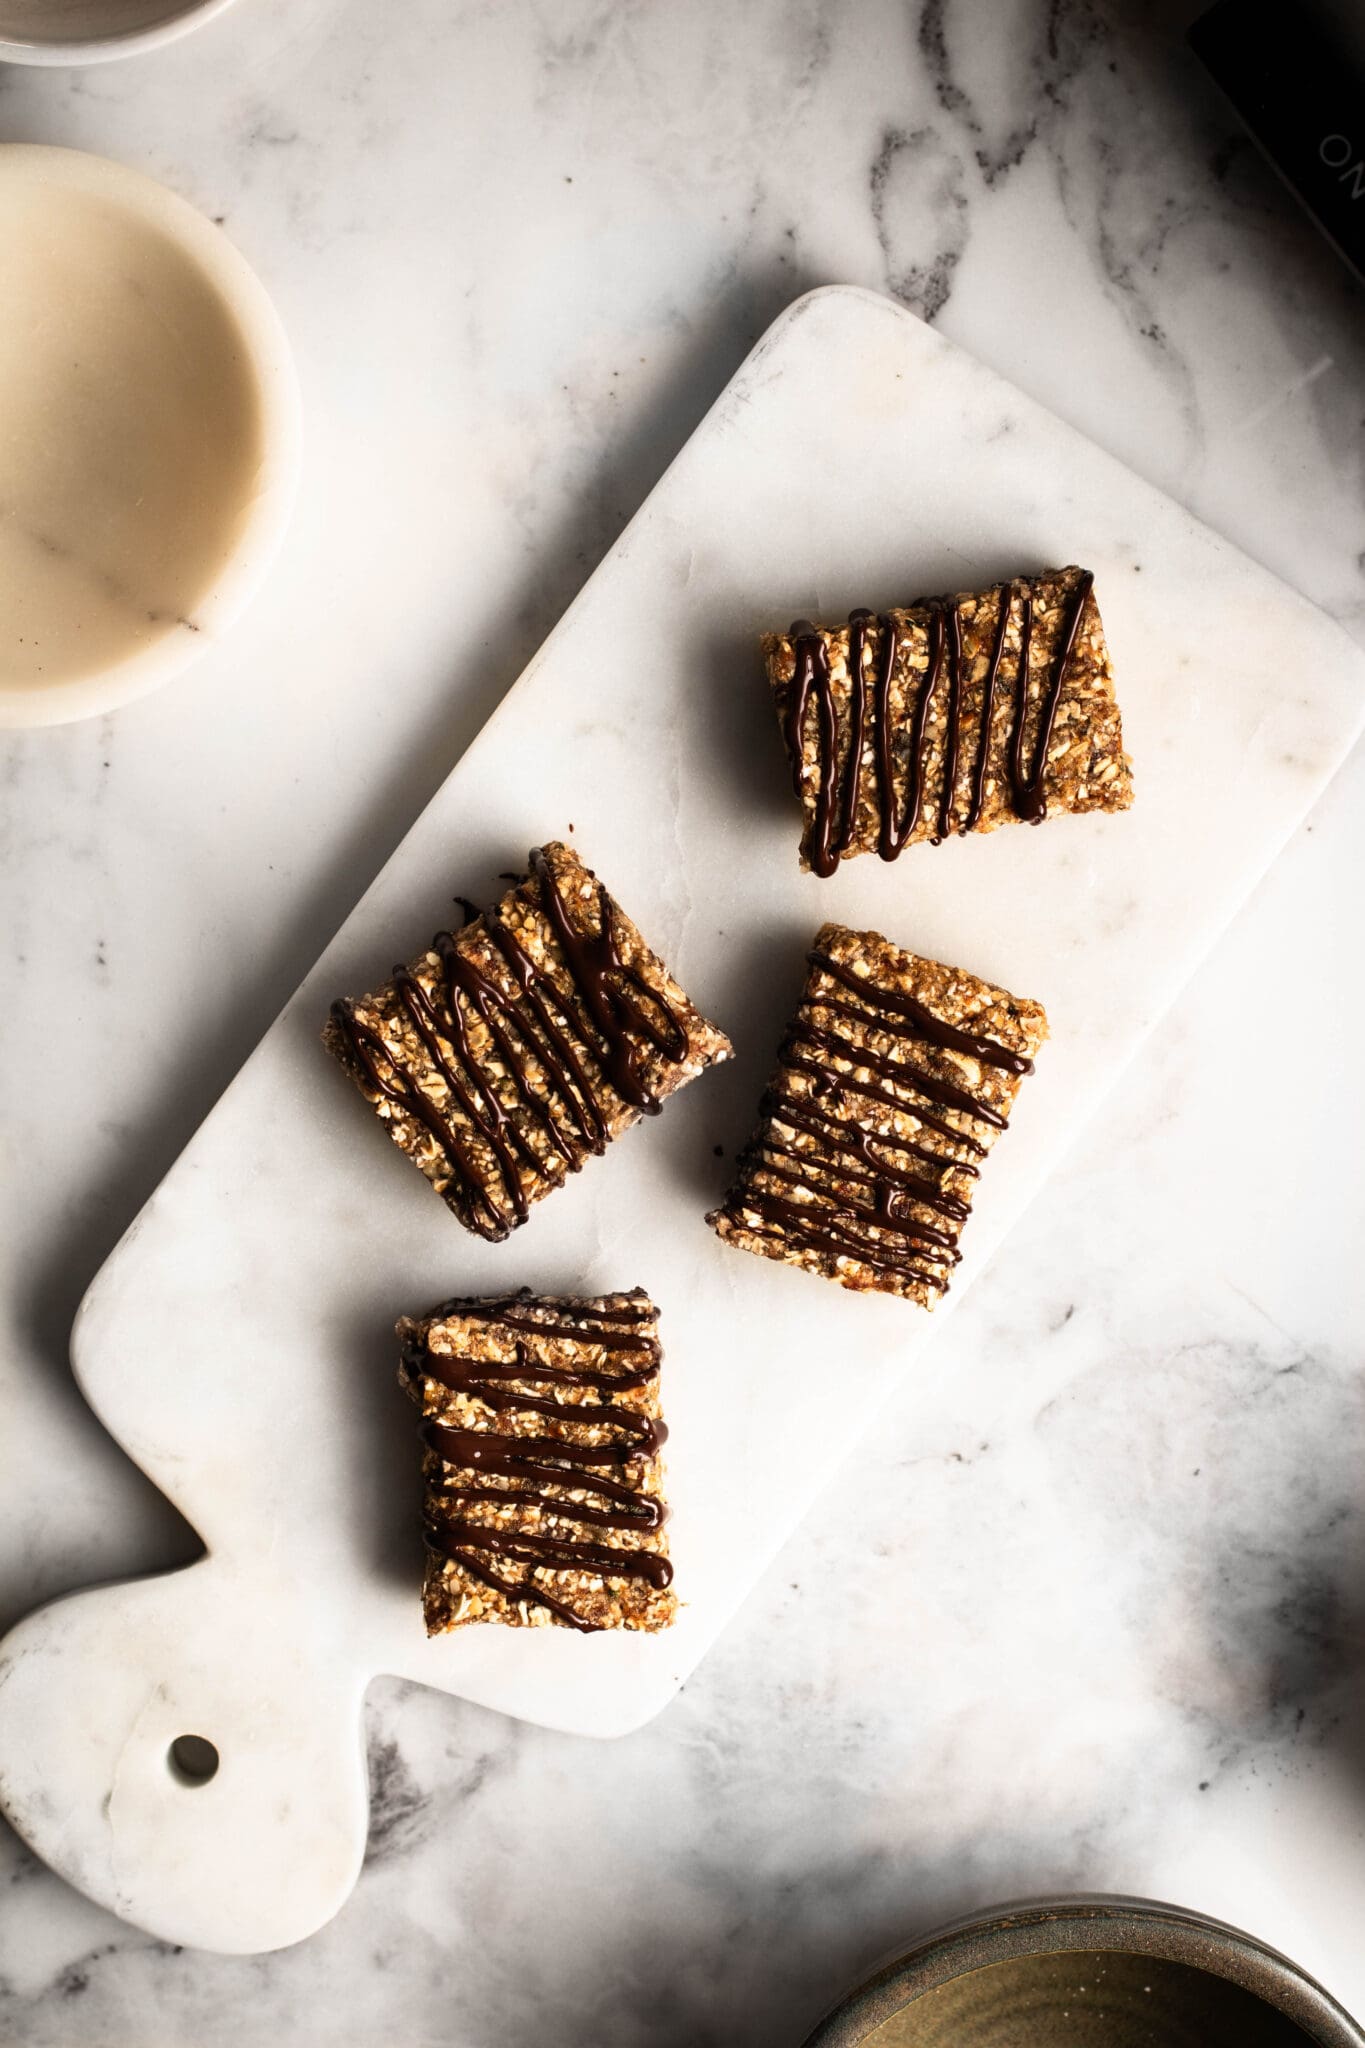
x: 955, y: 714
x: 893, y: 1082
x: 510, y: 1052
x: 544, y: 1487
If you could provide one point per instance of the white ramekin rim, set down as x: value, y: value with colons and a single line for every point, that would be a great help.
x: 99, y: 49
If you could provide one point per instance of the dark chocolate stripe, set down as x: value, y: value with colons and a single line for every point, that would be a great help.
x: 614, y: 1329
x: 888, y: 843
x: 952, y: 738
x: 453, y: 1372
x: 812, y: 676
x: 456, y: 1537
x: 1027, y: 791
x: 908, y: 1011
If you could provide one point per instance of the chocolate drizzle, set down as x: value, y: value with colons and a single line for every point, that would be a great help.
x: 954, y: 734
x: 888, y: 844
x: 839, y: 770
x: 812, y: 673
x: 551, y: 1051
x: 857, y: 722
x: 1027, y: 791
x: 541, y: 1468
x: 865, y: 1190
x: 618, y: 1000
x: 922, y: 1020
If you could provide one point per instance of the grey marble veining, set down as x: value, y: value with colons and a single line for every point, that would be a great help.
x: 518, y: 251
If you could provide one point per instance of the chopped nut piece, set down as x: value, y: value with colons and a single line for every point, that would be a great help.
x: 892, y: 1084
x: 508, y: 1053
x: 544, y: 1486
x: 884, y: 718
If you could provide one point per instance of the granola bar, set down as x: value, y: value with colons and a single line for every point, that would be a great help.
x: 544, y: 1487
x: 956, y: 714
x: 507, y: 1054
x: 893, y: 1082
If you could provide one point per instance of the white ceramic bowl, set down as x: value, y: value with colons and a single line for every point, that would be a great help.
x: 90, y: 31
x: 200, y: 498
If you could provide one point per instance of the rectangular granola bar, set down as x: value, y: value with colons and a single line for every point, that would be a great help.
x: 955, y: 714
x: 892, y: 1084
x: 508, y: 1053
x: 544, y: 1487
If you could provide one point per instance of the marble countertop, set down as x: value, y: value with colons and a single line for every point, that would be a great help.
x: 1090, y: 1612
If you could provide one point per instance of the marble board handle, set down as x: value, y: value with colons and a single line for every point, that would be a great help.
x: 96, y: 1692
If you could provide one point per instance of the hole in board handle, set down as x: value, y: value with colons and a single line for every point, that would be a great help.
x: 193, y: 1759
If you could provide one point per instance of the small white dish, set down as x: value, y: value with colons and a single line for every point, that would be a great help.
x: 150, y: 416
x: 91, y: 31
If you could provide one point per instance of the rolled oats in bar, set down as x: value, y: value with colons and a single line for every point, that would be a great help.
x: 893, y: 1082
x: 956, y: 714
x: 508, y: 1053
x: 544, y: 1486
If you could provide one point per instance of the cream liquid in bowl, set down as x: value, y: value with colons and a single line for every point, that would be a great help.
x: 139, y: 436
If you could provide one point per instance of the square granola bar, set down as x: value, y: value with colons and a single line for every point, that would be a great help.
x: 544, y: 1486
x: 893, y: 1082
x: 508, y: 1053
x: 956, y: 714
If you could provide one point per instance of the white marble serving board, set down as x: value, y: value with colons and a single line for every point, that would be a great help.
x: 238, y: 1342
